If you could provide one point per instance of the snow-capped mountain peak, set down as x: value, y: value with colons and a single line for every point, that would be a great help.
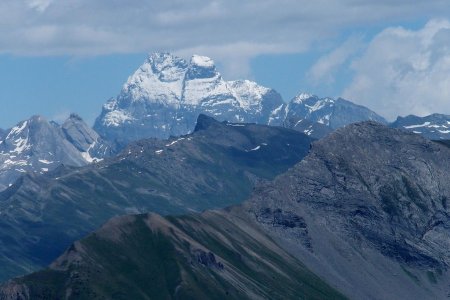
x: 248, y: 93
x: 167, y: 93
x: 201, y: 67
x: 202, y: 61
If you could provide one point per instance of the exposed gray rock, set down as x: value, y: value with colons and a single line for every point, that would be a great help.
x: 85, y: 139
x: 34, y: 145
x: 367, y: 210
x: 207, y: 259
x: 374, y: 201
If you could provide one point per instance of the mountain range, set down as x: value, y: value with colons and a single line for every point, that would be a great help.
x: 364, y: 215
x: 215, y: 166
x: 163, y: 98
x: 166, y: 94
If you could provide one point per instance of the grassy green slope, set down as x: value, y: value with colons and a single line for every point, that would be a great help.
x: 216, y: 255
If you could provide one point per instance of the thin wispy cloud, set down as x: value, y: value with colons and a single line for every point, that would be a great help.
x: 39, y: 5
x: 324, y: 70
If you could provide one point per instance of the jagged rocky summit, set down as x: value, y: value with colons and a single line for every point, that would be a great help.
x: 37, y: 145
x: 166, y: 94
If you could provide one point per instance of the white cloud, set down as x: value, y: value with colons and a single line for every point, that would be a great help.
x: 242, y: 29
x: 324, y: 70
x: 405, y: 71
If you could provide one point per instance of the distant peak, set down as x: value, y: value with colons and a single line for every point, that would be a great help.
x: 37, y: 119
x: 201, y: 67
x: 74, y: 116
x: 155, y: 56
x: 302, y: 96
x: 202, y: 61
x: 204, y: 122
x: 161, y: 60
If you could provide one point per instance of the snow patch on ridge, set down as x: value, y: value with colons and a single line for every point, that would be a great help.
x: 248, y: 93
x: 301, y: 97
x: 418, y: 126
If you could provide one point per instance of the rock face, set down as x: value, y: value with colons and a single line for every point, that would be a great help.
x: 166, y: 94
x: 433, y: 127
x: 36, y: 145
x: 215, y: 166
x: 85, y: 139
x: 368, y: 211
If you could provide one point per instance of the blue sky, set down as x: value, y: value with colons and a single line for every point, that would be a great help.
x: 58, y: 57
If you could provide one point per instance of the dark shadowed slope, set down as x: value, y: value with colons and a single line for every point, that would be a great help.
x: 215, y: 166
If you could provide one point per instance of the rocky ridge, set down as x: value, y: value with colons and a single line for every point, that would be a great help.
x: 215, y: 166
x: 38, y: 146
x: 367, y: 210
x: 433, y: 127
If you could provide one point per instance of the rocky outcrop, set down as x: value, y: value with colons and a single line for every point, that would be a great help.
x: 374, y: 203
